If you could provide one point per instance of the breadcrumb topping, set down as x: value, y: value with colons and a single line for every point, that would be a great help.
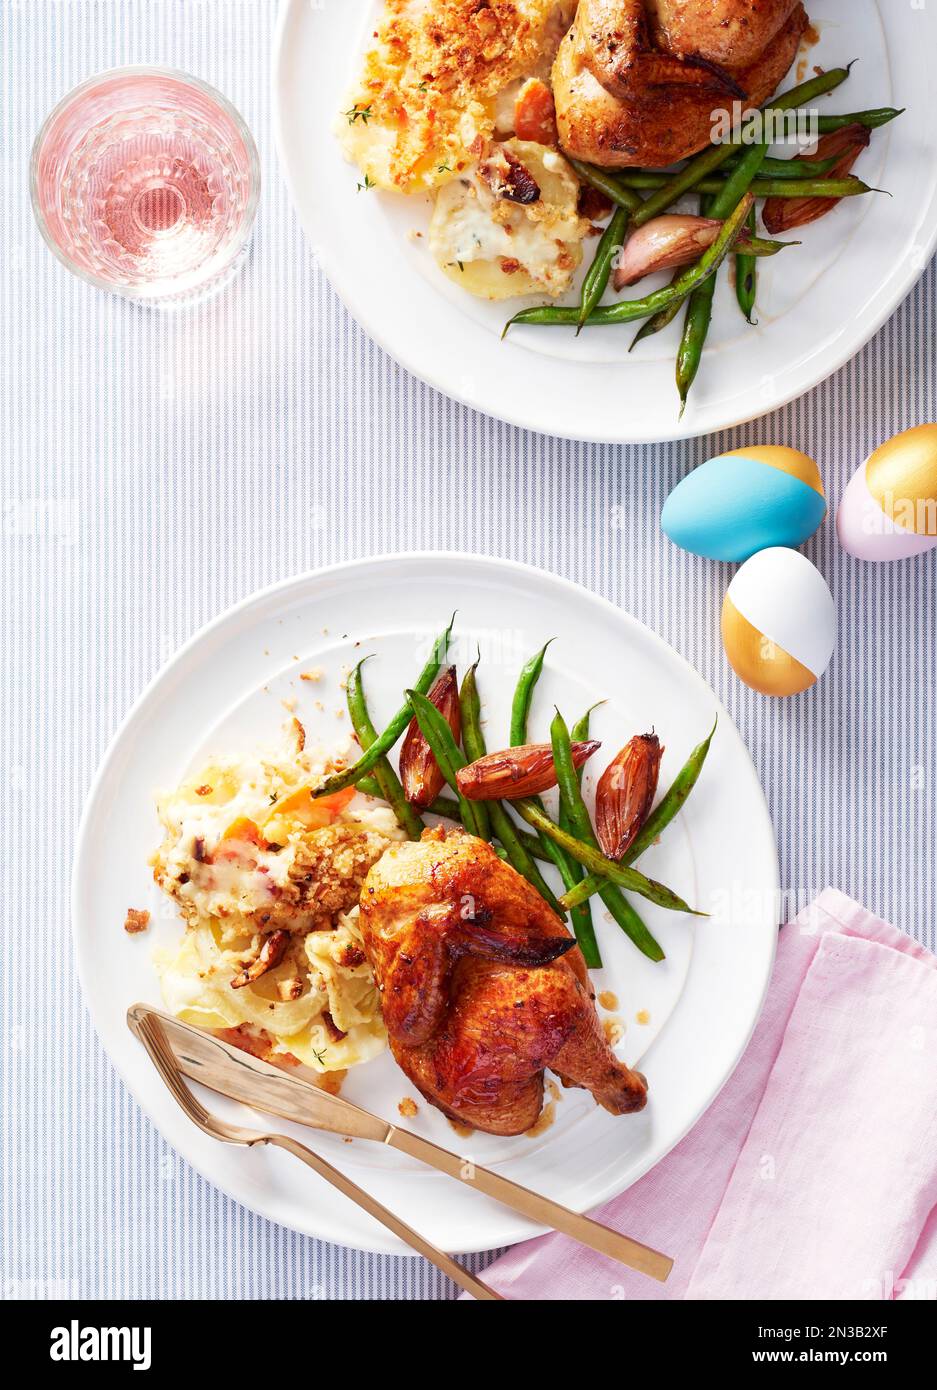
x: 431, y: 81
x: 326, y: 875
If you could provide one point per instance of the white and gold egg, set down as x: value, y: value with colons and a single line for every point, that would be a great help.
x: 779, y: 622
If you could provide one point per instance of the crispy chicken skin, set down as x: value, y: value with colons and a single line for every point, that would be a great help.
x: 482, y: 986
x: 620, y: 108
x: 614, y: 40
x: 731, y: 33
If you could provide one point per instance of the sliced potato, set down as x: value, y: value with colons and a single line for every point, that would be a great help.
x: 487, y: 279
x: 498, y: 249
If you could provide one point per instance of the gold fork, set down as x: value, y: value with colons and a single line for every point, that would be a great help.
x: 150, y: 1032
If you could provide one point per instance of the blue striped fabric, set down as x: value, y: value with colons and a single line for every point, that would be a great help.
x: 156, y: 469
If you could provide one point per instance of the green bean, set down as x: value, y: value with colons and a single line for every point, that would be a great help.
x: 712, y: 159
x: 503, y: 826
x: 847, y: 187
x: 672, y: 803
x: 792, y: 168
x: 872, y: 119
x: 665, y: 317
x: 583, y: 925
x: 571, y: 793
x: 523, y: 695
x: 395, y: 728
x: 473, y: 740
x: 628, y: 310
x: 445, y: 750
x: 600, y: 272
x: 595, y: 861
x: 604, y: 182
x: 520, y: 717
x: 655, y: 179
x: 700, y: 308
x: 667, y: 808
x: 659, y: 321
x: 746, y: 276
x: 384, y: 775
x: 671, y: 188
x: 579, y: 733
x: 774, y: 167
x: 699, y: 312
x: 761, y: 247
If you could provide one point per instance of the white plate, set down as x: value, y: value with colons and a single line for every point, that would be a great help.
x: 817, y: 305
x: 225, y: 690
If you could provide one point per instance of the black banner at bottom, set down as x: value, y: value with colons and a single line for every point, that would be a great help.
x: 167, y: 1340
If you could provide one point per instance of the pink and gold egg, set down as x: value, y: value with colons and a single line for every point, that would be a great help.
x: 889, y: 509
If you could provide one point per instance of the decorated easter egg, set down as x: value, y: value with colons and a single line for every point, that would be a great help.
x: 889, y: 509
x: 779, y: 622
x: 745, y: 501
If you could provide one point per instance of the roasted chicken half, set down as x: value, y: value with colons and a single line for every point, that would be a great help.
x: 637, y: 82
x: 482, y: 986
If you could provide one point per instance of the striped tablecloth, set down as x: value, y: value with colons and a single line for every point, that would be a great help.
x: 158, y: 468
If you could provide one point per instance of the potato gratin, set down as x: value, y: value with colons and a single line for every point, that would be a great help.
x: 267, y: 880
x: 454, y: 100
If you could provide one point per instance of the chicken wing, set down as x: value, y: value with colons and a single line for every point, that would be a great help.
x: 482, y: 986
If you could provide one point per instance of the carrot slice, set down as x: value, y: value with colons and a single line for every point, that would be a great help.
x: 535, y: 114
x: 314, y: 813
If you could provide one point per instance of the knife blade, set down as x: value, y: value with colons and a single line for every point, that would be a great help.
x: 232, y: 1072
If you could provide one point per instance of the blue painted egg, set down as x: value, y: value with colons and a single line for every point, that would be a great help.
x: 746, y: 501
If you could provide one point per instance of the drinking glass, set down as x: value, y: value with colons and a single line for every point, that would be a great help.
x: 145, y: 181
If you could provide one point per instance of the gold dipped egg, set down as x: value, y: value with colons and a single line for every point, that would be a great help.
x: 759, y: 661
x: 779, y: 623
x: 889, y: 509
x: 902, y: 477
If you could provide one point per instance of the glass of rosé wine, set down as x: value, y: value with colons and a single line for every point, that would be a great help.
x: 145, y: 181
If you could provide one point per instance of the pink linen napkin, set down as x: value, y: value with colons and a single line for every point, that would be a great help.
x: 814, y: 1172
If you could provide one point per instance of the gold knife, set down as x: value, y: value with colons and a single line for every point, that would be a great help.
x: 237, y: 1074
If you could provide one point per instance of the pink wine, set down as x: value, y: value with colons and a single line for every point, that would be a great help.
x: 146, y: 181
